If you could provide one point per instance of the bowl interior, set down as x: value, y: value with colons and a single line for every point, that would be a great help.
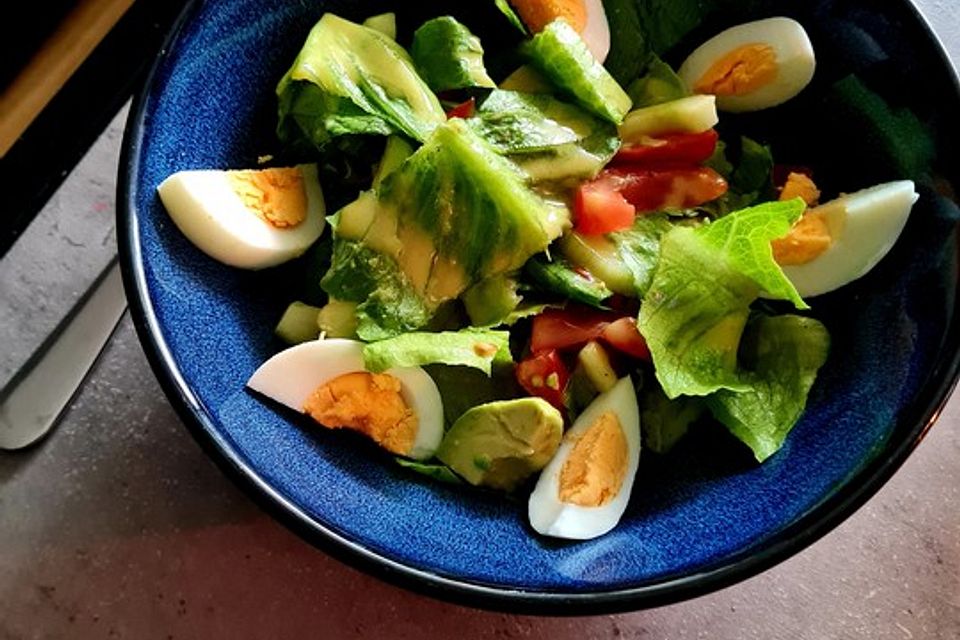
x: 705, y: 508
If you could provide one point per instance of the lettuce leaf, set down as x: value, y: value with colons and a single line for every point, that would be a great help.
x: 511, y: 15
x: 780, y: 357
x: 659, y: 84
x: 448, y: 56
x: 450, y: 216
x: 750, y: 180
x: 477, y: 348
x: 698, y: 303
x: 433, y: 470
x: 358, y: 82
x: 388, y: 303
x: 549, y: 138
x: 639, y: 247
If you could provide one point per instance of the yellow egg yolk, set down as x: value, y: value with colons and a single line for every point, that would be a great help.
x: 810, y: 235
x: 276, y: 195
x: 741, y: 71
x: 537, y: 14
x: 597, y: 464
x: 800, y: 185
x: 369, y: 403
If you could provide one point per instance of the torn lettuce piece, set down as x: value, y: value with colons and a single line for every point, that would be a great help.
x: 386, y: 302
x: 478, y: 348
x: 750, y: 180
x: 743, y: 240
x: 353, y: 80
x: 448, y: 56
x: 659, y: 84
x: 780, y: 357
x: 550, y: 139
x: 874, y: 130
x: 452, y: 215
x: 511, y: 16
x: 559, y: 277
x: 463, y: 388
x: 561, y: 55
x: 698, y: 303
x: 639, y: 248
x: 665, y: 422
x: 433, y: 470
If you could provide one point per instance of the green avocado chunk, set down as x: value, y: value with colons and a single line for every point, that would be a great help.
x: 501, y: 444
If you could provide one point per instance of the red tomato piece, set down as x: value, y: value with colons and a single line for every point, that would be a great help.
x: 624, y: 336
x: 685, y: 148
x: 664, y: 187
x: 463, y: 110
x: 598, y: 208
x: 545, y: 376
x: 566, y: 328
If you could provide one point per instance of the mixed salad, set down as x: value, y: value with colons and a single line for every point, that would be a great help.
x: 548, y: 269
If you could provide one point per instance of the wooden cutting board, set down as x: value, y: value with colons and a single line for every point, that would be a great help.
x: 53, y: 64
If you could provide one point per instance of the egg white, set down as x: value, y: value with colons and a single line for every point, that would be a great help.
x: 596, y: 32
x: 796, y: 62
x: 864, y: 226
x: 548, y: 514
x: 292, y: 375
x: 212, y: 216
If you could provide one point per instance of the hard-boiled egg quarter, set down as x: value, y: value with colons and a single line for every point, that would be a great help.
x: 400, y: 409
x: 862, y: 227
x: 584, y: 489
x: 587, y: 17
x: 752, y: 66
x: 247, y: 218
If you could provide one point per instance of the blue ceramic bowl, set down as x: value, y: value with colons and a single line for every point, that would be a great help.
x: 702, y: 519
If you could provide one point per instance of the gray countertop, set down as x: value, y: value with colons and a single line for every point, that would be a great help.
x: 118, y: 526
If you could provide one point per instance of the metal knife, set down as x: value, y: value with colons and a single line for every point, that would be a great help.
x: 37, y: 395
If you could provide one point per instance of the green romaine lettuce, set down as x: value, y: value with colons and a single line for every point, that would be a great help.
x: 658, y: 85
x: 536, y: 130
x: 780, y: 357
x: 477, y: 348
x: 448, y: 56
x: 698, y: 302
x: 349, y: 79
x: 750, y: 180
x: 639, y: 247
x: 450, y: 216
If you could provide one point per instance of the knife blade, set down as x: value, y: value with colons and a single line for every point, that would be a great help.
x: 37, y: 395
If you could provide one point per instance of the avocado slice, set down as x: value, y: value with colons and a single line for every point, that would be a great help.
x: 501, y: 444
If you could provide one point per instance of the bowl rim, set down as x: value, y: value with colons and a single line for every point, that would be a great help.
x: 855, y: 491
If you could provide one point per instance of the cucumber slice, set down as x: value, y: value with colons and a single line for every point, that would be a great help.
x: 560, y: 54
x: 298, y: 324
x: 694, y: 114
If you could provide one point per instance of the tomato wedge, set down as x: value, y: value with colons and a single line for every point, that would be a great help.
x: 599, y: 208
x: 463, y: 110
x: 623, y: 335
x: 566, y: 328
x: 681, y: 148
x: 656, y: 188
x: 545, y: 376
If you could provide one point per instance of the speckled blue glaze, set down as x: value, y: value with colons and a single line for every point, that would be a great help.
x: 700, y: 519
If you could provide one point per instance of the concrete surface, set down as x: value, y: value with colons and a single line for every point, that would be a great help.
x: 118, y: 526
